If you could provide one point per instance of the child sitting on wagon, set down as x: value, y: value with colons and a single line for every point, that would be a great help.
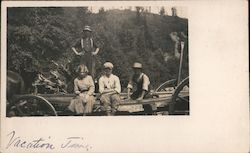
x: 84, y: 89
x: 140, y: 82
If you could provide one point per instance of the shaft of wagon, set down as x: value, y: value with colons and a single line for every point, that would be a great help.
x: 180, y: 65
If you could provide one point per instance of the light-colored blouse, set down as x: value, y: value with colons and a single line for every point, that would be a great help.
x: 85, y: 85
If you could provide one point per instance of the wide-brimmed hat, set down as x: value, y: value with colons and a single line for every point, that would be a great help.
x: 108, y: 65
x: 137, y: 65
x: 87, y: 28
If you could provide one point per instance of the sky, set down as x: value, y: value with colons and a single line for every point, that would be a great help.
x: 181, y: 11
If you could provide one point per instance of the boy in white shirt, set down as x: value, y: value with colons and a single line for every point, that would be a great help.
x: 110, y: 89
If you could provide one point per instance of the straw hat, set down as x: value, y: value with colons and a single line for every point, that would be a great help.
x: 87, y: 28
x: 137, y: 65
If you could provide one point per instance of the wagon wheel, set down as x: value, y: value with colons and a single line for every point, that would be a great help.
x: 180, y: 99
x: 34, y: 106
x: 165, y: 86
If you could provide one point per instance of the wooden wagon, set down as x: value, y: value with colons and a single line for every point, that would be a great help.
x: 169, y: 98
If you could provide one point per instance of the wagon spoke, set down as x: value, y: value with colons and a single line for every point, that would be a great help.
x: 180, y: 98
x: 34, y: 106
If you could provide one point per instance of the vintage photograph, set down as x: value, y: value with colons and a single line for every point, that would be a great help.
x: 117, y: 76
x: 97, y: 61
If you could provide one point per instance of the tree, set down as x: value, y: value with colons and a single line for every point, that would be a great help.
x: 101, y: 10
x: 38, y: 35
x: 162, y: 11
x: 42, y: 36
x: 139, y: 14
x: 174, y: 11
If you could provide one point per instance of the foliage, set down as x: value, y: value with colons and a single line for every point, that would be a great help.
x: 39, y: 35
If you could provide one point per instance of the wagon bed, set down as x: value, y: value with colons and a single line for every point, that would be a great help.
x: 56, y: 104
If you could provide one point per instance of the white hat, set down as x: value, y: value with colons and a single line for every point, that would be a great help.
x: 108, y: 65
x: 137, y: 65
x: 87, y: 28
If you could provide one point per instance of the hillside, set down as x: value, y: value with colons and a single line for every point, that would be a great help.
x: 38, y: 35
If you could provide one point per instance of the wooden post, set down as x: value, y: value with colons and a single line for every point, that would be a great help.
x: 181, y: 61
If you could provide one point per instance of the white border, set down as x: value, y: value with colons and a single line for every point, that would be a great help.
x: 219, y: 120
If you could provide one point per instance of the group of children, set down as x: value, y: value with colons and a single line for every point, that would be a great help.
x: 109, y: 84
x: 109, y: 89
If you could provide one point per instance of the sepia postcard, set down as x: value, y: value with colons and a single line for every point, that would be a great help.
x: 124, y: 76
